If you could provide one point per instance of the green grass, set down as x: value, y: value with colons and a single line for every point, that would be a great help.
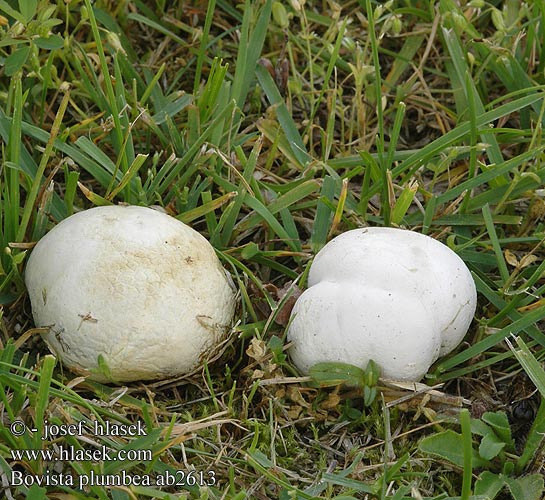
x: 424, y: 115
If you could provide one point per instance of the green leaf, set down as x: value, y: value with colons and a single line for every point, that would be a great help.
x: 280, y: 15
x: 261, y: 459
x: 403, y: 202
x: 249, y: 251
x: 372, y: 374
x: 92, y: 150
x: 17, y: 258
x: 329, y: 374
x: 28, y: 9
x: 206, y: 208
x: 535, y: 438
x: 526, y: 487
x: 479, y: 427
x: 171, y: 109
x: 369, y: 395
x: 499, y: 422
x: 6, y: 40
x: 10, y: 11
x: 94, y: 198
x: 129, y: 174
x: 103, y: 369
x: 449, y: 445
x: 16, y: 60
x: 52, y: 42
x: 488, y: 484
x: 490, y: 446
x: 276, y: 345
x: 347, y: 482
x: 36, y: 492
x: 324, y: 214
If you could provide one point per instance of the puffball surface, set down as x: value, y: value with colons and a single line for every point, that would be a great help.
x: 394, y: 296
x: 132, y: 286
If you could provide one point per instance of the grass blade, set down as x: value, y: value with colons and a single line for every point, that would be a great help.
x: 480, y: 347
x: 31, y: 199
x: 459, y: 62
x: 46, y: 375
x: 530, y: 364
x: 502, y: 265
x: 284, y: 118
x: 250, y: 46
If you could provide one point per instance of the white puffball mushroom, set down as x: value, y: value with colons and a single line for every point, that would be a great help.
x: 131, y: 289
x: 394, y: 296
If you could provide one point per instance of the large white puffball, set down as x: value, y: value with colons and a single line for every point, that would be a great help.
x: 130, y: 289
x: 394, y: 296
